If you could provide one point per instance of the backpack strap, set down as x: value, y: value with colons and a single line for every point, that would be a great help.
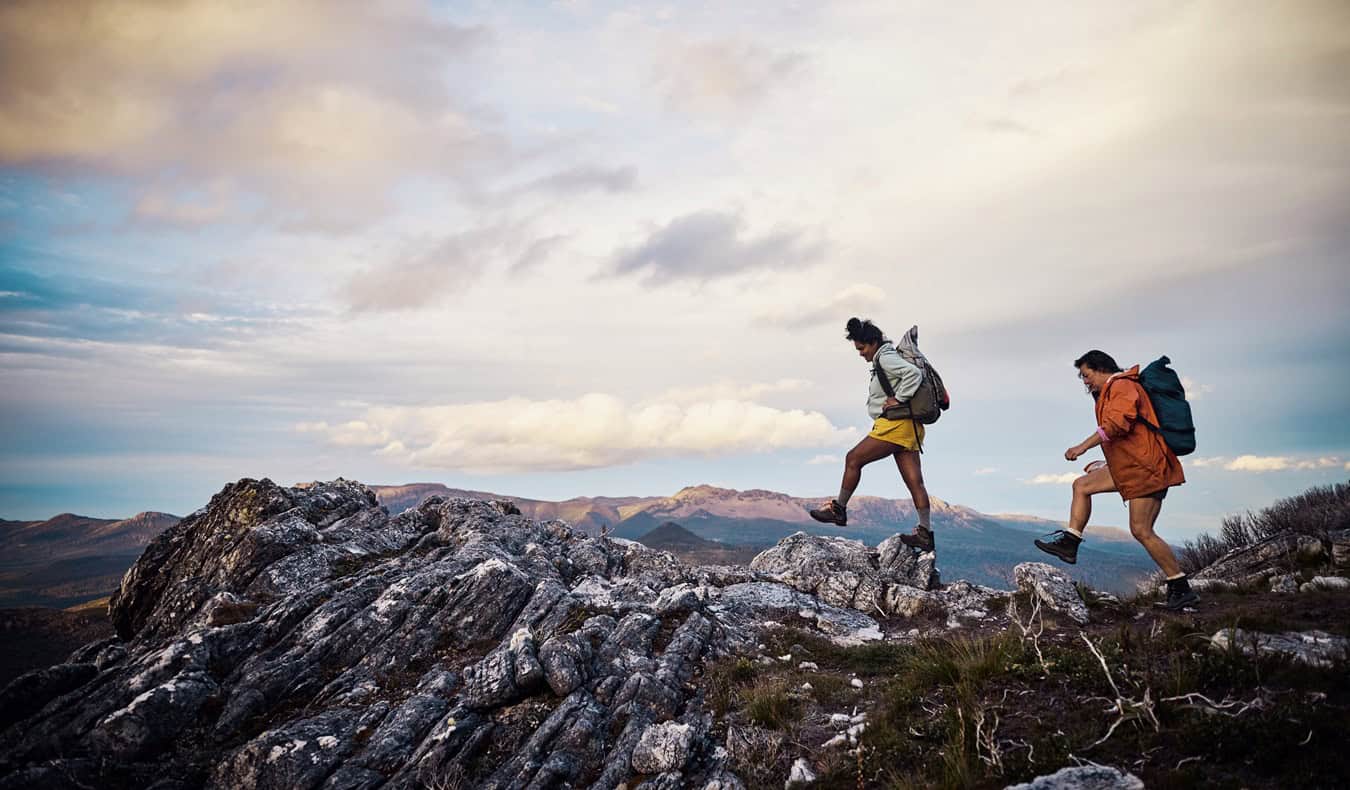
x: 890, y: 393
x: 881, y: 376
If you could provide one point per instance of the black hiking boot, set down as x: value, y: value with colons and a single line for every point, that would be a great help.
x: 1065, y: 546
x: 920, y: 539
x: 831, y: 513
x: 1179, y: 596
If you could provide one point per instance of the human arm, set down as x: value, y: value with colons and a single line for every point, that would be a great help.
x: 900, y: 371
x: 1093, y: 440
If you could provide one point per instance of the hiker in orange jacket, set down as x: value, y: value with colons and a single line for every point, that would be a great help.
x: 1139, y: 465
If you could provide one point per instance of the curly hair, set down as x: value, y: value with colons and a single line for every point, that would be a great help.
x: 864, y: 331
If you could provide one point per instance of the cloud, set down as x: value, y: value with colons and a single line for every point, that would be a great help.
x: 728, y: 390
x: 709, y: 244
x: 1006, y: 126
x: 722, y: 78
x: 586, y: 179
x: 987, y: 470
x: 424, y: 275
x: 812, y: 310
x: 824, y: 460
x: 1280, y: 463
x: 1205, y: 463
x: 589, y: 432
x: 1050, y: 479
x: 1194, y: 389
x: 320, y: 108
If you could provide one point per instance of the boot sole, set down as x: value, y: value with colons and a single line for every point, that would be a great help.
x: 1055, y: 554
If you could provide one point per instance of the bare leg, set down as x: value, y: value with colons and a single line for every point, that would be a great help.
x: 1098, y: 481
x: 912, y: 473
x: 1143, y: 515
x: 866, y: 451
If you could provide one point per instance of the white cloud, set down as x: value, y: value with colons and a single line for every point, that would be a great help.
x: 589, y: 432
x: 1280, y: 463
x: 1205, y: 463
x: 1050, y: 479
x: 1194, y: 389
x: 824, y: 460
x: 987, y: 470
x: 855, y: 300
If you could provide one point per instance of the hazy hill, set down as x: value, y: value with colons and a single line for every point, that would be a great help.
x: 68, y: 559
x: 694, y: 550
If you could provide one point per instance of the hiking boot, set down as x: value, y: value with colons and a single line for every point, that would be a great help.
x: 1179, y: 596
x: 1065, y: 546
x: 831, y: 513
x: 921, y: 539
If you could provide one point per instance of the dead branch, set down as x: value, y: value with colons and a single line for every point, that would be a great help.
x: 1125, y: 708
x: 1031, y: 630
x: 1226, y: 707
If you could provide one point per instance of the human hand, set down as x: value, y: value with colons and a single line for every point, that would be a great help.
x: 1072, y: 453
x: 890, y: 403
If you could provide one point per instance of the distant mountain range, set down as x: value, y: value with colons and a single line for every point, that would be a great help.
x: 971, y: 545
x: 69, y: 559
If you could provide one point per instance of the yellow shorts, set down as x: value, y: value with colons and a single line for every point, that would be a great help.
x: 898, y: 432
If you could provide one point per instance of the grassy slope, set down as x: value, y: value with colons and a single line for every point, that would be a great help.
x: 932, y: 705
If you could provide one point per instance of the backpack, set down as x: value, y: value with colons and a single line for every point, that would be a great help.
x: 930, y: 399
x: 1164, y: 389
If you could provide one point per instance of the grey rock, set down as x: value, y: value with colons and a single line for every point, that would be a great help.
x: 1253, y: 565
x: 26, y: 694
x: 1086, y: 777
x: 1325, y: 583
x: 838, y: 571
x: 1054, y: 589
x: 1284, y: 583
x: 1340, y: 547
x: 663, y: 747
x: 1314, y: 648
x: 800, y: 774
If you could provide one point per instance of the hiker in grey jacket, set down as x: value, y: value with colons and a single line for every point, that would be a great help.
x: 901, y: 438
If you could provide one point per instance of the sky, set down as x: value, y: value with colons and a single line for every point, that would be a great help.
x: 580, y: 248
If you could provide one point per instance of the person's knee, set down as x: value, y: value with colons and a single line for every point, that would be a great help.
x: 1080, y: 487
x: 853, y: 460
x: 1142, y: 531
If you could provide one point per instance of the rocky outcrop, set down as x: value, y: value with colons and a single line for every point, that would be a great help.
x: 1253, y: 566
x: 847, y: 573
x: 1086, y: 777
x: 1054, y: 589
x: 304, y: 638
x: 1314, y: 648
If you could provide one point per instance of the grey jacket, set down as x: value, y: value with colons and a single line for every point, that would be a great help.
x: 904, y: 376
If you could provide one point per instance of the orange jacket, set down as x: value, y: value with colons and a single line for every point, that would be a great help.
x: 1139, y: 459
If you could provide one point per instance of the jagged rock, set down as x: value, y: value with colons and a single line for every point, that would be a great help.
x: 1340, y: 547
x: 846, y: 573
x: 839, y: 571
x: 663, y: 747
x: 1054, y: 589
x: 26, y: 694
x: 900, y: 565
x: 1325, y: 583
x: 1315, y: 648
x: 801, y: 774
x: 1284, y: 583
x: 1253, y: 565
x: 1086, y: 777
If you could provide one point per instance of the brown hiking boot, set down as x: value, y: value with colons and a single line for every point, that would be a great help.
x: 921, y: 539
x: 831, y: 513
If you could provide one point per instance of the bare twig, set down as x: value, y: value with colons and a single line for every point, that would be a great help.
x: 1226, y: 707
x: 986, y: 742
x: 1125, y: 708
x: 1183, y: 762
x: 1031, y: 629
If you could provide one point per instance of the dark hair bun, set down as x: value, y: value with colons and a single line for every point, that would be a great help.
x: 863, y: 331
